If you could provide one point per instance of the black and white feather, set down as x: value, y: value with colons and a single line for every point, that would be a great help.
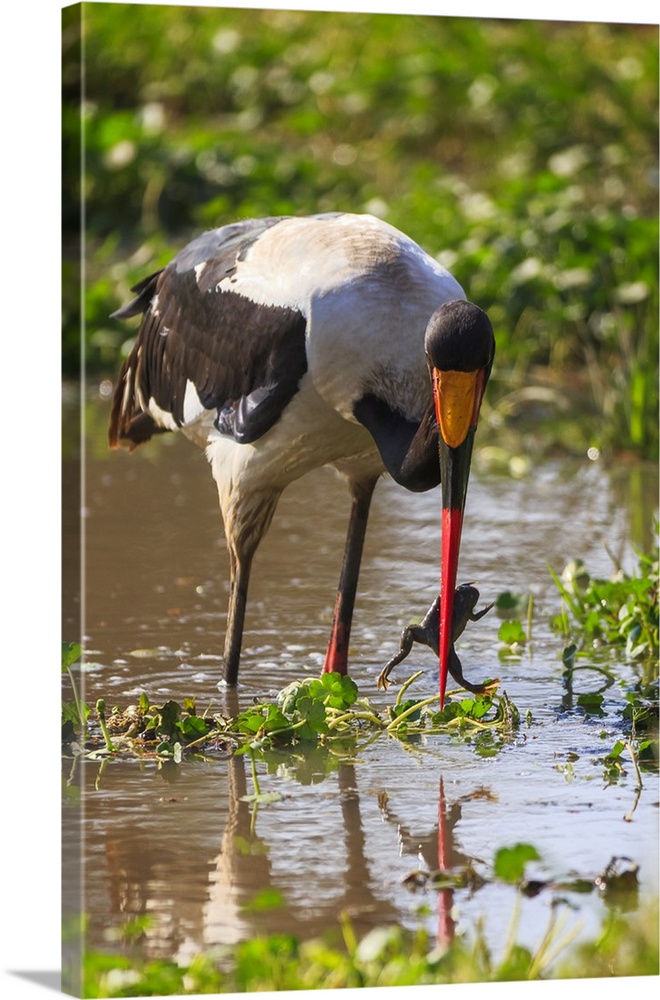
x: 235, y: 321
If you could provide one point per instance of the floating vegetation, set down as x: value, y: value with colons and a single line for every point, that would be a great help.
x: 619, y: 614
x: 325, y: 710
x: 619, y: 879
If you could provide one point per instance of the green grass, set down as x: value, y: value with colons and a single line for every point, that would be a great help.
x: 521, y: 153
x: 387, y: 956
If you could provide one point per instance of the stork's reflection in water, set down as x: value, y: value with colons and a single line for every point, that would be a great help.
x: 204, y: 864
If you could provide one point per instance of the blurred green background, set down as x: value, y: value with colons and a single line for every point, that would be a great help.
x: 522, y: 154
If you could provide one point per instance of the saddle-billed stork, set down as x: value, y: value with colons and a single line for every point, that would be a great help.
x: 283, y: 344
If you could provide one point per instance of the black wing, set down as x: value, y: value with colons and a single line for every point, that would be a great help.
x: 244, y: 359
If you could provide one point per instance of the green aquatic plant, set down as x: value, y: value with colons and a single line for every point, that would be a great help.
x: 621, y: 611
x: 76, y: 714
x: 513, y: 637
x: 325, y: 711
x: 619, y: 616
x: 100, y: 712
x: 510, y: 862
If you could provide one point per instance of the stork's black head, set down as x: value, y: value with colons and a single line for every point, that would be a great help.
x: 459, y: 337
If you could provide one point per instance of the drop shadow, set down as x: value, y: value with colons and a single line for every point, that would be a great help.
x: 49, y: 979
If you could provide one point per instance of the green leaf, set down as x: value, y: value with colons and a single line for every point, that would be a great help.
x: 591, y: 703
x: 508, y: 602
x: 193, y: 727
x: 516, y: 965
x: 165, y: 719
x: 510, y: 862
x: 616, y: 750
x: 452, y: 710
x: 340, y: 690
x: 275, y: 719
x: 477, y: 707
x: 313, y: 711
x: 250, y: 721
x: 70, y: 711
x: 512, y: 633
x: 71, y: 653
x: 403, y: 706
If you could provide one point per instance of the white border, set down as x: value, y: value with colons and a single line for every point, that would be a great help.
x: 30, y: 415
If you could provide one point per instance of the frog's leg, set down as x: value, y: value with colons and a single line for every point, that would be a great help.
x: 407, y: 639
x: 480, y: 614
x: 456, y: 670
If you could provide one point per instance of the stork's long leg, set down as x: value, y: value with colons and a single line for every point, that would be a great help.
x: 336, y: 659
x: 240, y: 577
x: 244, y: 528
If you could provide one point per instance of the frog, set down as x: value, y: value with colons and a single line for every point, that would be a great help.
x: 427, y: 632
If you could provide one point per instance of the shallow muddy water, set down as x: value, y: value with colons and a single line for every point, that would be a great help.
x: 177, y: 843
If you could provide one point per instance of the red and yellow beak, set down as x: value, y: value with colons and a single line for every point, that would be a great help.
x: 458, y: 397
